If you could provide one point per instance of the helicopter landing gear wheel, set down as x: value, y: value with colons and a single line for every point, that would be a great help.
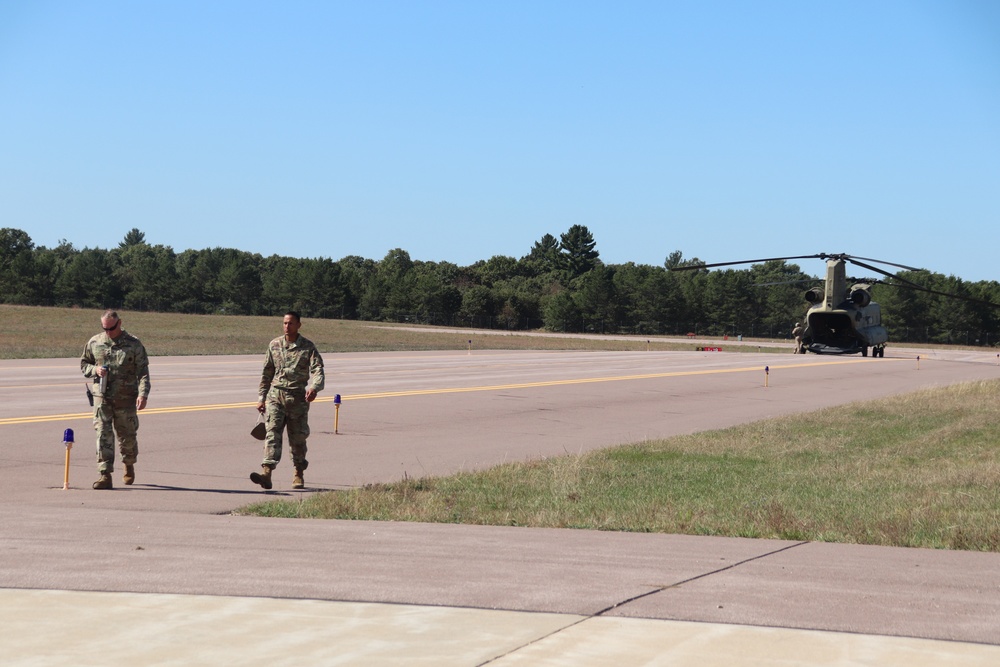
x: 864, y: 350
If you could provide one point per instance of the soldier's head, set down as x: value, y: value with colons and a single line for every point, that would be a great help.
x: 291, y: 324
x: 111, y: 323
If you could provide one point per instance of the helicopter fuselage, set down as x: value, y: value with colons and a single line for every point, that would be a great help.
x: 847, y: 330
x: 843, y: 320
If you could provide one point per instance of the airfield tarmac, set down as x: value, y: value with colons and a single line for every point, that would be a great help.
x: 162, y: 572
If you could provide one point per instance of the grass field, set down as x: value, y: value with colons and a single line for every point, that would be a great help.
x: 921, y: 470
x: 34, y: 332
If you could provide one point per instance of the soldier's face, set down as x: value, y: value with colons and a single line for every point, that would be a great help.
x: 111, y: 327
x: 291, y: 326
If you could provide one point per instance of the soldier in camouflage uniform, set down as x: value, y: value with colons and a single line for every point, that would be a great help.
x: 119, y: 359
x: 292, y: 376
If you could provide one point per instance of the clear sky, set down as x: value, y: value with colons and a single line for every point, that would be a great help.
x: 459, y: 130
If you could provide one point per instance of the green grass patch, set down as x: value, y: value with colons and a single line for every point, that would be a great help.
x: 921, y: 470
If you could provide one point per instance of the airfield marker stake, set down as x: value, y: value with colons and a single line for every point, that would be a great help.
x: 336, y: 414
x: 918, y: 362
x: 767, y: 372
x: 68, y: 441
x: 470, y: 346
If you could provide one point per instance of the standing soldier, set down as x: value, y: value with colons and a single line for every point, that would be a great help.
x: 797, y: 332
x: 117, y: 363
x: 292, y: 376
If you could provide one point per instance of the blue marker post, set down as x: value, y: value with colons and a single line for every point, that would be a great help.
x: 470, y: 346
x: 336, y: 414
x: 767, y: 372
x: 68, y: 441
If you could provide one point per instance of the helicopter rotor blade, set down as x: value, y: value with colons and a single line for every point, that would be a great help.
x: 920, y: 288
x: 789, y: 282
x: 882, y: 261
x: 882, y: 271
x: 745, y: 261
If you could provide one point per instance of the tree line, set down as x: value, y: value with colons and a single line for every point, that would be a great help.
x: 561, y: 284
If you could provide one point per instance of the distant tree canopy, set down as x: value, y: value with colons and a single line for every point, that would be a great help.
x: 561, y: 284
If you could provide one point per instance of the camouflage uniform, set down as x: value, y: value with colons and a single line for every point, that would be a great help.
x: 289, y: 369
x: 115, y: 410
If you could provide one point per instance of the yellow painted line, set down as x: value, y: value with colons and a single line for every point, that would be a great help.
x: 553, y: 383
x: 45, y: 418
x: 447, y: 390
x: 84, y: 383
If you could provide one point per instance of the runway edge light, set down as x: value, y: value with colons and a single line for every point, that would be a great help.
x: 68, y: 441
x: 336, y: 414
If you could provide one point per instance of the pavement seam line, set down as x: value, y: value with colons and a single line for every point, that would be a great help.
x: 534, y: 641
x: 660, y: 589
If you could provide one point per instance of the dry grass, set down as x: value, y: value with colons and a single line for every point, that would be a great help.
x: 36, y: 332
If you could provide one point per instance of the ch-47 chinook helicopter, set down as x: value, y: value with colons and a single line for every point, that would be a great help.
x: 842, y: 319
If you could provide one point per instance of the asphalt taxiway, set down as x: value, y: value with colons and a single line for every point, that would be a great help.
x: 163, y: 572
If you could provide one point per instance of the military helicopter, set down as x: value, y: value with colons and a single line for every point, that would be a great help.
x: 842, y: 319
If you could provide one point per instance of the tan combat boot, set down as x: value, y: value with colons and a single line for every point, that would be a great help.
x: 263, y: 478
x: 104, y: 482
x: 298, y: 481
x: 129, y: 476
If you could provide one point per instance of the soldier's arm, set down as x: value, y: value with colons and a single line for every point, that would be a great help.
x: 142, y: 371
x: 317, y: 378
x: 266, y: 375
x: 87, y: 362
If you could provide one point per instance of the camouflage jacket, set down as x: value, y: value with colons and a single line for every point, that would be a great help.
x: 128, y: 365
x: 292, y: 366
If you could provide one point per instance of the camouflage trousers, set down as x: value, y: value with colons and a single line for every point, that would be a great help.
x: 286, y: 411
x: 110, y: 418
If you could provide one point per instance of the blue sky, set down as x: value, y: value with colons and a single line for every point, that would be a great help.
x: 462, y: 130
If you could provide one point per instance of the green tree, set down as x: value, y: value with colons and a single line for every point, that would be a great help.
x: 356, y: 273
x: 578, y: 251
x: 560, y: 312
x: 495, y: 270
x: 17, y: 266
x: 239, y: 284
x: 436, y: 299
x: 147, y: 276
x: 133, y: 237
x: 87, y: 281
x: 544, y: 257
x: 477, y: 305
x: 197, y: 280
x: 320, y: 292
x: 595, y: 297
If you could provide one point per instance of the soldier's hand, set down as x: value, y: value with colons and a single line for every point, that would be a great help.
x: 260, y: 407
x: 310, y: 395
x: 140, y: 403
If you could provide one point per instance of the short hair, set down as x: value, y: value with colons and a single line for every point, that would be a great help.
x: 295, y: 315
x: 110, y: 315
